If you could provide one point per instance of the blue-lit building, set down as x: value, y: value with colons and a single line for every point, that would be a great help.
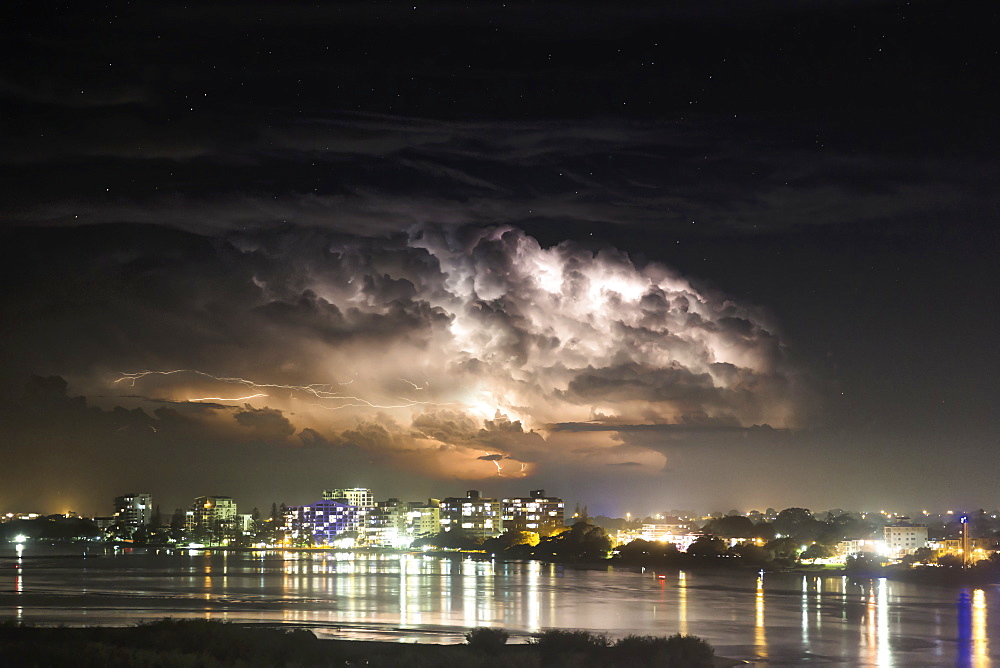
x: 332, y: 519
x: 322, y: 522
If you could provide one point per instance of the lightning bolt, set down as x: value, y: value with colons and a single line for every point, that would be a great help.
x: 324, y: 391
x: 318, y: 390
x: 364, y: 403
x: 249, y: 396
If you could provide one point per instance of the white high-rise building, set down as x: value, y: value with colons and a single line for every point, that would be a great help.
x: 385, y: 524
x: 214, y: 516
x: 423, y: 519
x: 356, y: 496
x: 133, y: 509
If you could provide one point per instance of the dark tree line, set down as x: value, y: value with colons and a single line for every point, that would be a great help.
x: 581, y: 542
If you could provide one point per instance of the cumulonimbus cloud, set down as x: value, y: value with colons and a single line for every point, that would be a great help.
x: 456, y: 353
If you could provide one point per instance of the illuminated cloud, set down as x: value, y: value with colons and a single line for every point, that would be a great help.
x: 455, y: 351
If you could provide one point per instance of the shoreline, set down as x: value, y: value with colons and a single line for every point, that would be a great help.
x: 205, y: 642
x: 928, y: 575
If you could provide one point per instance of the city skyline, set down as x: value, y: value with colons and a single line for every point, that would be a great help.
x: 650, y: 257
x: 575, y: 508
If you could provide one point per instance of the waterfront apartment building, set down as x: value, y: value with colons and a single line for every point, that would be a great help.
x: 334, y: 519
x: 904, y: 538
x: 133, y: 509
x: 537, y: 513
x: 395, y: 523
x: 321, y: 523
x: 476, y: 516
x: 663, y: 533
x: 214, y: 517
x: 385, y: 524
x: 424, y: 519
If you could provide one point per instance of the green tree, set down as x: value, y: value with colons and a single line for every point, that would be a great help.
x: 645, y: 551
x: 730, y: 526
x: 797, y: 523
x: 818, y: 551
x: 950, y: 561
x: 177, y: 525
x: 706, y: 546
x: 254, y: 520
x: 456, y: 539
x: 764, y: 530
x: 862, y: 562
x: 581, y: 542
x: 510, y: 539
x: 784, y: 549
x: 847, y: 527
x: 750, y: 554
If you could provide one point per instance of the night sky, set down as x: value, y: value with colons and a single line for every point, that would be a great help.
x: 641, y: 255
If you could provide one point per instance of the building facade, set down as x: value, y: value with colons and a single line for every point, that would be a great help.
x: 395, y: 523
x: 663, y: 532
x: 212, y: 519
x: 385, y: 524
x: 474, y: 515
x: 537, y: 513
x: 321, y: 523
x: 133, y: 509
x: 424, y: 519
x: 904, y: 538
x: 360, y: 497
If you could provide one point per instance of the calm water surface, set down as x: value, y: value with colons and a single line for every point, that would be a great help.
x: 774, y: 619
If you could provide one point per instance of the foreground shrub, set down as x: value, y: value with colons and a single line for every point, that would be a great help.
x: 487, y: 639
x: 634, y: 644
x: 557, y: 641
x: 675, y: 652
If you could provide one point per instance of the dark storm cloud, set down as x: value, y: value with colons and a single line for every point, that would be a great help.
x: 315, y: 115
x: 450, y: 426
x: 265, y: 423
x: 318, y: 318
x: 312, y: 438
x: 695, y: 425
x: 66, y: 94
x: 631, y: 381
x: 594, y: 177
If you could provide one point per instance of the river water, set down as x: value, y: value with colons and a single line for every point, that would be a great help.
x: 770, y: 619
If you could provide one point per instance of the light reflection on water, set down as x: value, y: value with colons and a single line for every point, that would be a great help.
x: 773, y: 618
x: 760, y: 624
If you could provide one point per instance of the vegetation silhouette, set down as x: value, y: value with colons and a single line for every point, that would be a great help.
x: 585, y: 649
x: 487, y: 639
x: 198, y: 642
